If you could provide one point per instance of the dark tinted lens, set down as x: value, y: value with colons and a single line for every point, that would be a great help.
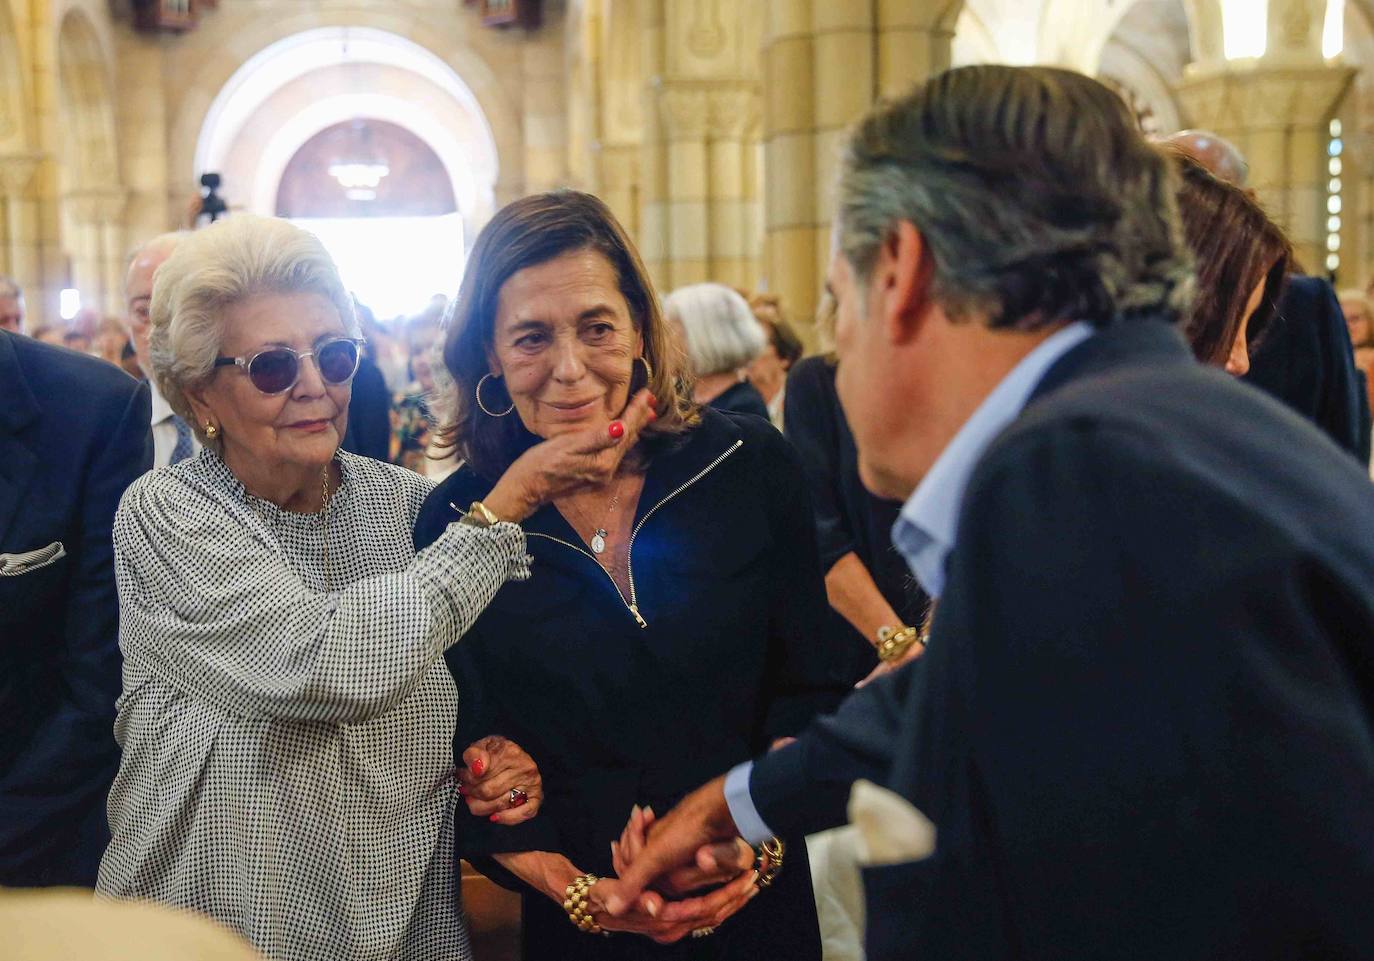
x: 338, y: 361
x: 273, y: 371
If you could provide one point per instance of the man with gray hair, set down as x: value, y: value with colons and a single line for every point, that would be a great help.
x: 173, y: 439
x: 11, y: 306
x: 1155, y: 628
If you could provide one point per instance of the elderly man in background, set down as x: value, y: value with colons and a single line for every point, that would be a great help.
x: 173, y: 439
x: 1304, y: 359
x: 11, y: 306
x: 1141, y: 728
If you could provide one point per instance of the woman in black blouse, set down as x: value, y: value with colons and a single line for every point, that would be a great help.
x: 667, y: 630
x: 721, y: 338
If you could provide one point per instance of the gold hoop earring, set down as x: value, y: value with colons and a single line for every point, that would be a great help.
x: 483, y: 406
x: 211, y: 431
x: 648, y: 369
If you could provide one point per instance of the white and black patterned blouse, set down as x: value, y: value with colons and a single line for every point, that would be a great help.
x: 287, y: 746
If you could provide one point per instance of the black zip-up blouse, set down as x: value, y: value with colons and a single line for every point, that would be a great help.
x: 621, y: 702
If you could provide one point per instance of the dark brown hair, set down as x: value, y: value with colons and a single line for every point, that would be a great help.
x: 1235, y: 246
x: 526, y: 233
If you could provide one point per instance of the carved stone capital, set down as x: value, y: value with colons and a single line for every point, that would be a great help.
x: 734, y: 112
x: 684, y: 112
x: 17, y: 173
x: 97, y: 205
x: 1264, y: 97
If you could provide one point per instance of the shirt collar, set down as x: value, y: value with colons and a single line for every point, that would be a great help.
x: 926, y: 527
x: 161, y: 409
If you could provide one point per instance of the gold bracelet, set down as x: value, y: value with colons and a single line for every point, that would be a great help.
x: 479, y: 515
x: 768, y: 873
x: 579, y: 907
x: 894, y: 642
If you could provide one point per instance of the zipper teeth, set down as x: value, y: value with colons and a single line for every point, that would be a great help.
x: 633, y: 606
x: 630, y: 555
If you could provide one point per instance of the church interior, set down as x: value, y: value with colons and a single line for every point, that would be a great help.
x: 710, y: 128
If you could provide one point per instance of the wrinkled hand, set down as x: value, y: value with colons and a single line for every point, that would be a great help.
x: 492, y: 767
x: 675, y: 920
x: 715, y: 864
x: 568, y: 462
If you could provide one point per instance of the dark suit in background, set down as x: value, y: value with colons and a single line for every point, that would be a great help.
x: 1144, y: 727
x: 73, y: 434
x: 369, y: 413
x: 848, y: 518
x: 1306, y: 361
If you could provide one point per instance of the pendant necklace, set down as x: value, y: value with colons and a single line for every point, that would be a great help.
x: 599, y: 535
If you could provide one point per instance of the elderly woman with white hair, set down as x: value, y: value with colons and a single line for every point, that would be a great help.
x: 722, y: 338
x: 287, y: 715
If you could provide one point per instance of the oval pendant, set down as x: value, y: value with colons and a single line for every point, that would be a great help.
x: 598, y: 543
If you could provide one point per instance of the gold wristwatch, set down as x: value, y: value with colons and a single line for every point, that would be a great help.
x: 479, y: 515
x: 894, y: 642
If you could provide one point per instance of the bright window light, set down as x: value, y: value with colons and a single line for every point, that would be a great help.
x: 394, y: 264
x: 1333, y: 205
x: 1333, y: 29
x: 1245, y: 28
x: 1333, y: 262
x: 69, y: 303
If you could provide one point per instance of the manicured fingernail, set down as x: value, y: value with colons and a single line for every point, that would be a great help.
x: 653, y: 414
x: 653, y: 401
x: 614, y: 905
x: 648, y: 811
x: 617, y: 429
x: 478, y: 766
x: 652, y: 908
x: 494, y: 817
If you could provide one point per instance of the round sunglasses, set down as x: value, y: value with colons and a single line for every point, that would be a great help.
x: 276, y: 370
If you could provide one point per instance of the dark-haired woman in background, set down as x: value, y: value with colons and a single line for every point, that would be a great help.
x: 1241, y: 258
x: 667, y: 630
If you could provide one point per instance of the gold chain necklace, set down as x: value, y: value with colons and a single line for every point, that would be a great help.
x: 324, y: 510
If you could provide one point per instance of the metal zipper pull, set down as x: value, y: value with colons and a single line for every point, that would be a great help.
x: 634, y: 609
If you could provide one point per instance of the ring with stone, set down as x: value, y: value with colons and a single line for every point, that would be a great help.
x: 703, y: 932
x: 517, y: 797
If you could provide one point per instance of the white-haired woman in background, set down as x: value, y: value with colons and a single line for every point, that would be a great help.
x: 287, y: 715
x: 722, y: 338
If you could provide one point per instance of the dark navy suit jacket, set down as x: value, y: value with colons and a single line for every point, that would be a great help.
x: 1306, y: 361
x: 1144, y: 727
x: 74, y: 432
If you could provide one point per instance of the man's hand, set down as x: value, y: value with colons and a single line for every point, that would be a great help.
x: 700, y: 821
x: 715, y: 864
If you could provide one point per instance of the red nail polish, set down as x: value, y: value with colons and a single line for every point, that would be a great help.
x: 494, y: 817
x: 653, y: 401
x: 617, y: 429
x: 478, y: 766
x: 653, y: 414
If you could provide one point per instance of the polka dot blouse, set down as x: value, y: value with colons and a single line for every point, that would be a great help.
x: 287, y: 742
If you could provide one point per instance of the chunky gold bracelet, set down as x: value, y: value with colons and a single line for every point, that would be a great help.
x: 894, y: 642
x: 768, y: 872
x: 579, y: 907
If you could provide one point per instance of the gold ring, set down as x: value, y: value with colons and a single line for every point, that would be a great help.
x: 703, y: 932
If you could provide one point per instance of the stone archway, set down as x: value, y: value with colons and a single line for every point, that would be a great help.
x: 92, y: 199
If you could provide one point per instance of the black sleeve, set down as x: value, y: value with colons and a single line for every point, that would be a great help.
x: 369, y: 414
x: 478, y: 717
x: 806, y: 675
x: 810, y: 422
x: 1339, y: 410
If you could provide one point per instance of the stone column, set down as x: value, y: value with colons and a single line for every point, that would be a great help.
x: 97, y: 215
x: 731, y: 112
x: 24, y: 240
x: 825, y: 63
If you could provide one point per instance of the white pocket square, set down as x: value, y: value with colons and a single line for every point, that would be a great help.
x: 889, y: 830
x: 12, y: 565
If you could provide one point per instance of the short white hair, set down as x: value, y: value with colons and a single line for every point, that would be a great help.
x: 720, y: 331
x: 211, y: 270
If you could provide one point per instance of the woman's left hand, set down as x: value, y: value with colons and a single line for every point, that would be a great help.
x: 500, y: 782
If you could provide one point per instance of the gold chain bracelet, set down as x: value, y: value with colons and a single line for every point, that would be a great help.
x: 893, y: 643
x: 768, y: 872
x: 579, y: 907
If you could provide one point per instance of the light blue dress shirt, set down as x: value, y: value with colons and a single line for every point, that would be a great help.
x: 927, y: 526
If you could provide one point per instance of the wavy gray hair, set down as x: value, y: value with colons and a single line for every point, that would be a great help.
x: 213, y: 269
x: 1035, y: 193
